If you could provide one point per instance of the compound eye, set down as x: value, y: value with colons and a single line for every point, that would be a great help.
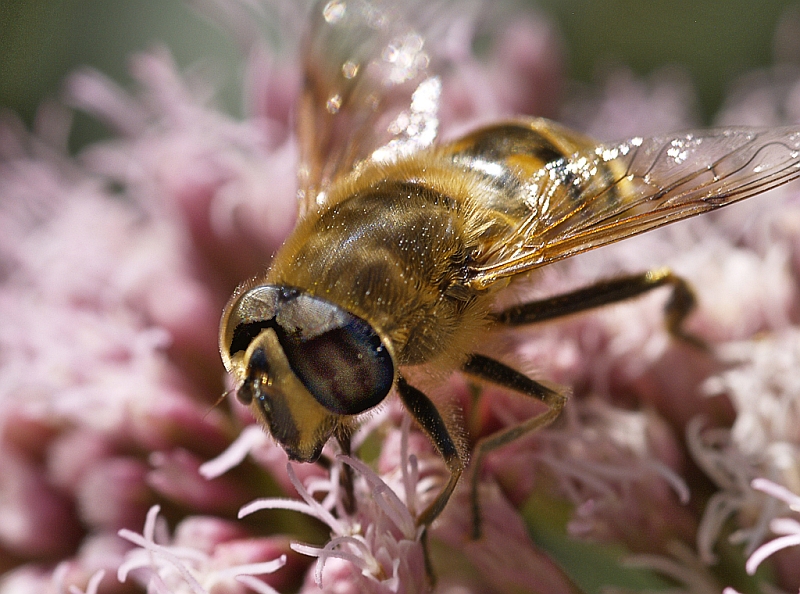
x: 346, y: 368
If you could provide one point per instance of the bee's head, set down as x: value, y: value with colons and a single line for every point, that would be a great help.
x: 303, y: 364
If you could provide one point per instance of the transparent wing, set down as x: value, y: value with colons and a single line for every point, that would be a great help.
x: 369, y: 91
x: 611, y: 191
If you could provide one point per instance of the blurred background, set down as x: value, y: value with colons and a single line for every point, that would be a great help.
x: 712, y: 40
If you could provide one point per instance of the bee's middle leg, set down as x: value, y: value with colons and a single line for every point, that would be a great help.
x: 498, y: 373
x: 680, y: 304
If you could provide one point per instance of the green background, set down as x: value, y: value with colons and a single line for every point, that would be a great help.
x: 41, y: 41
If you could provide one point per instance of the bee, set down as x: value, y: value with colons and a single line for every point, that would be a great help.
x: 404, y: 244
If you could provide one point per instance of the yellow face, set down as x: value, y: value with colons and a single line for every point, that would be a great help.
x: 304, y: 366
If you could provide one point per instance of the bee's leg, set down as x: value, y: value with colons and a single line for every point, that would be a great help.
x: 679, y: 306
x: 497, y: 373
x: 426, y: 414
x: 347, y: 476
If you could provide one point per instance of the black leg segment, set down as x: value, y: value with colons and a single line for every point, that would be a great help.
x: 347, y: 476
x: 498, y: 373
x: 679, y: 306
x: 428, y: 417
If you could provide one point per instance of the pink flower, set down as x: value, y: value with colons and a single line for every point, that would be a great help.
x: 115, y: 265
x: 788, y: 530
x: 380, y: 544
x: 185, y: 565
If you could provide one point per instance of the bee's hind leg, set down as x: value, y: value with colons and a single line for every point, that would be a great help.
x: 678, y: 307
x: 680, y: 304
x: 498, y: 373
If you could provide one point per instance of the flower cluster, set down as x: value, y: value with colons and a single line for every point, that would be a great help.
x: 118, y: 472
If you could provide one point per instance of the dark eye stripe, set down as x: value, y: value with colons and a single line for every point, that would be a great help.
x: 244, y: 334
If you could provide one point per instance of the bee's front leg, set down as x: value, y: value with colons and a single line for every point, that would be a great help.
x: 428, y: 417
x: 498, y: 373
x: 347, y: 475
x: 677, y: 309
